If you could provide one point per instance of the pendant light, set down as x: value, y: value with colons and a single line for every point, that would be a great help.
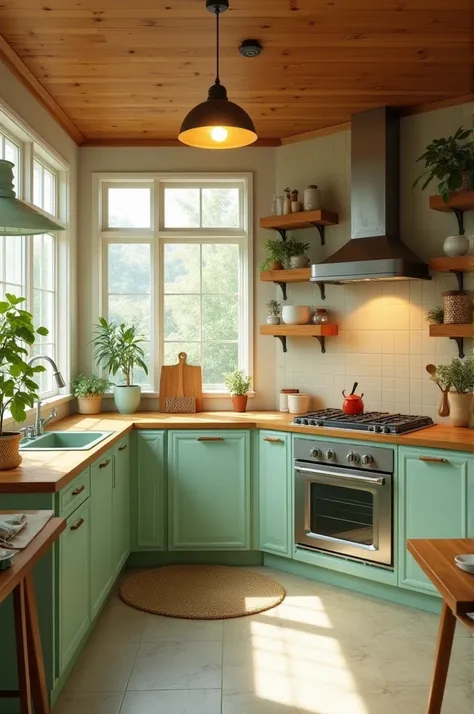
x: 16, y: 216
x: 217, y: 123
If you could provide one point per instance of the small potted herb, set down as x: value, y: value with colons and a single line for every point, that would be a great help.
x: 295, y: 252
x: 89, y: 392
x: 435, y: 315
x: 276, y: 254
x: 458, y: 378
x: 450, y: 162
x: 274, y: 308
x: 238, y: 384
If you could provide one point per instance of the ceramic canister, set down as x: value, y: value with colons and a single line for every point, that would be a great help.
x: 312, y: 198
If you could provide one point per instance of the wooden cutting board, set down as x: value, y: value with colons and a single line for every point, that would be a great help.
x: 191, y: 380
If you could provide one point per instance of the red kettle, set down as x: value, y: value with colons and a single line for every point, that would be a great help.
x: 353, y: 404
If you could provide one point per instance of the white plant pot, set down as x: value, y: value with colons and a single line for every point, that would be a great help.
x: 295, y: 314
x: 299, y: 261
x: 273, y: 320
x: 460, y: 408
x: 127, y: 399
x: 89, y: 405
x: 456, y: 245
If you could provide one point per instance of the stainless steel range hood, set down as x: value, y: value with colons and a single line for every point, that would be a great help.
x: 375, y: 251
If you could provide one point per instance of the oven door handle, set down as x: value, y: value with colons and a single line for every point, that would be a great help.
x: 379, y: 481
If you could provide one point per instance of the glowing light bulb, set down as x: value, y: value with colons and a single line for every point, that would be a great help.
x: 219, y: 133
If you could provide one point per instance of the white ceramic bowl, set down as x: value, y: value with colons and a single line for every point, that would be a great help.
x: 465, y: 562
x: 298, y: 403
x: 295, y: 314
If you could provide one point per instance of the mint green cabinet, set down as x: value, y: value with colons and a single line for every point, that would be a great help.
x: 121, y: 505
x: 434, y: 490
x: 209, y: 490
x: 102, y: 474
x: 275, y: 492
x: 148, y: 495
x: 74, y: 583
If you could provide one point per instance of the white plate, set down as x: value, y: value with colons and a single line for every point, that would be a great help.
x: 465, y: 562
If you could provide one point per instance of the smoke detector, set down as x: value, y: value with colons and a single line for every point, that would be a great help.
x: 250, y: 48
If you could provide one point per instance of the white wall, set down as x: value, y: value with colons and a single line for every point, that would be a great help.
x: 383, y: 341
x: 259, y: 161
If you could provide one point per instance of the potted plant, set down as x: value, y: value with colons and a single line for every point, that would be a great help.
x: 276, y: 254
x: 435, y: 315
x: 295, y: 253
x: 274, y: 308
x: 458, y: 378
x: 18, y: 390
x: 89, y: 392
x: 238, y: 384
x: 449, y: 161
x: 119, y: 349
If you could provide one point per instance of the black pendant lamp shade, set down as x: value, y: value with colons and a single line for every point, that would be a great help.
x: 217, y: 123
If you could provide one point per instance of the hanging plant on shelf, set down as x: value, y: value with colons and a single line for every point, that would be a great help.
x: 450, y: 162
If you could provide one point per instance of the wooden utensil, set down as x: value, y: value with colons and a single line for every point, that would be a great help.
x: 192, y: 381
x: 443, y: 409
x: 180, y: 404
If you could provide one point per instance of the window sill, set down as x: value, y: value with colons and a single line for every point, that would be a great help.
x: 50, y: 402
x: 205, y: 395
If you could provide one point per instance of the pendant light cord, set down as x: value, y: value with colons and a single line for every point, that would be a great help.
x: 217, y: 50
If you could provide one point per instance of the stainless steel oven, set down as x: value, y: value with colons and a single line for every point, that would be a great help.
x: 343, y: 499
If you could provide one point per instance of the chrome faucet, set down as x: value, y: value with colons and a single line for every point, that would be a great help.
x: 40, y: 423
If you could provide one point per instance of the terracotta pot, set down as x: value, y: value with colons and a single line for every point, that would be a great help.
x: 276, y: 265
x: 89, y: 405
x: 10, y: 456
x: 239, y: 402
x: 460, y: 408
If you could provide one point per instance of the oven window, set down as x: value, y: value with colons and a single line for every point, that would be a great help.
x: 344, y: 513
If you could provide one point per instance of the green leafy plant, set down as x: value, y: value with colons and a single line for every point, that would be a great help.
x: 93, y: 386
x: 276, y: 252
x: 448, y: 161
x: 274, y: 308
x: 457, y: 376
x: 435, y: 315
x: 237, y: 382
x: 18, y: 390
x: 118, y: 348
x: 295, y: 248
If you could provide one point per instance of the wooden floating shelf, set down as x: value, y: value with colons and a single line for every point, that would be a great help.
x: 458, y: 265
x: 320, y: 332
x: 454, y: 332
x: 463, y: 201
x: 297, y: 221
x: 292, y: 275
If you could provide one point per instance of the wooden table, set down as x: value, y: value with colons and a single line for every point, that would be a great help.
x: 19, y: 580
x: 436, y: 558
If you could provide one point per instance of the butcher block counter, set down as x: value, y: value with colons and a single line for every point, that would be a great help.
x: 49, y: 471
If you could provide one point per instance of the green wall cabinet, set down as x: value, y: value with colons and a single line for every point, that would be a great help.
x: 275, y: 496
x: 74, y: 583
x: 149, y: 512
x: 209, y: 490
x: 121, y: 505
x: 102, y: 476
x: 434, y: 490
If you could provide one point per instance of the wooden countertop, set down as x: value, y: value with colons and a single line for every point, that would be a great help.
x: 49, y: 471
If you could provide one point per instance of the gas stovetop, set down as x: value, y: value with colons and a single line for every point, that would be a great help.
x: 378, y: 422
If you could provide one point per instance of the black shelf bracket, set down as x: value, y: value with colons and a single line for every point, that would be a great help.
x: 460, y: 343
x: 282, y: 232
x: 322, y: 290
x: 282, y: 339
x: 460, y: 219
x: 321, y: 232
x: 460, y: 278
x: 322, y: 341
x: 283, y: 288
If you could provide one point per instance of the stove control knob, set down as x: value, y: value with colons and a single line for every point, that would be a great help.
x: 353, y: 457
x: 330, y: 454
x: 367, y: 459
x: 314, y: 453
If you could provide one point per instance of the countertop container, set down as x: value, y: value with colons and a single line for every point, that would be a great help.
x: 298, y: 403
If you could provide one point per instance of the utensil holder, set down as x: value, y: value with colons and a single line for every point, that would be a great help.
x: 457, y: 307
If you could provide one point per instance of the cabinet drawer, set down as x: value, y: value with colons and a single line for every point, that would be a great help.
x: 76, y: 493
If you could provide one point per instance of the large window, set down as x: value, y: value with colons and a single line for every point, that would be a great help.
x: 29, y: 264
x: 175, y: 262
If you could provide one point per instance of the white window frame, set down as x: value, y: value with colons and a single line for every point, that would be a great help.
x: 157, y: 236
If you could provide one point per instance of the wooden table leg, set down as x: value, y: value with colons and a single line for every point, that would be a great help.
x: 35, y: 652
x: 19, y: 608
x: 444, y: 645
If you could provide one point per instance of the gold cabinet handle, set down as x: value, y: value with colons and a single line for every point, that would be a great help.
x: 104, y: 464
x: 77, y: 491
x: 122, y: 448
x: 273, y: 439
x: 77, y: 525
x: 433, y: 459
x: 210, y: 438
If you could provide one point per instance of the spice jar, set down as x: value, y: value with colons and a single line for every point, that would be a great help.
x: 283, y: 400
x: 457, y: 306
x: 312, y: 198
x: 320, y: 317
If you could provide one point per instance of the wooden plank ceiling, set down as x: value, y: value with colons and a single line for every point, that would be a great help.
x: 128, y: 71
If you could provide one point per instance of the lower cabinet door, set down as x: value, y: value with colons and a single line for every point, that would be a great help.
x: 274, y: 492
x: 148, y: 512
x: 209, y: 490
x: 74, y: 585
x: 102, y: 572
x: 121, y: 505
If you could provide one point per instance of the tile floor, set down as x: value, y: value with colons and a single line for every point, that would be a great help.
x: 322, y: 651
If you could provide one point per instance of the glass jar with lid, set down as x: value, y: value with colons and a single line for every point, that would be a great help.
x: 320, y: 317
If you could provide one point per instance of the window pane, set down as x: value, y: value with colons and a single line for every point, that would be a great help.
x: 220, y: 320
x: 43, y: 314
x: 182, y: 268
x: 139, y: 374
x: 131, y: 309
x: 129, y: 207
x: 220, y: 268
x: 182, y: 317
x: 49, y: 192
x: 172, y: 350
x: 14, y: 259
x: 182, y: 208
x: 12, y: 153
x: 217, y: 360
x: 129, y: 268
x: 44, y: 380
x: 43, y: 262
x: 220, y: 208
x: 37, y: 184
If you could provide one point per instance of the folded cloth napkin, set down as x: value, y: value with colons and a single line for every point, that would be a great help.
x: 11, y: 525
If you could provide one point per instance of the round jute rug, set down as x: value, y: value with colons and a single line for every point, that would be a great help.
x: 201, y: 592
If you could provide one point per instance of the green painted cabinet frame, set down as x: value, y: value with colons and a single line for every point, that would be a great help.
x: 275, y: 497
x: 121, y: 505
x: 148, y: 491
x: 102, y: 573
